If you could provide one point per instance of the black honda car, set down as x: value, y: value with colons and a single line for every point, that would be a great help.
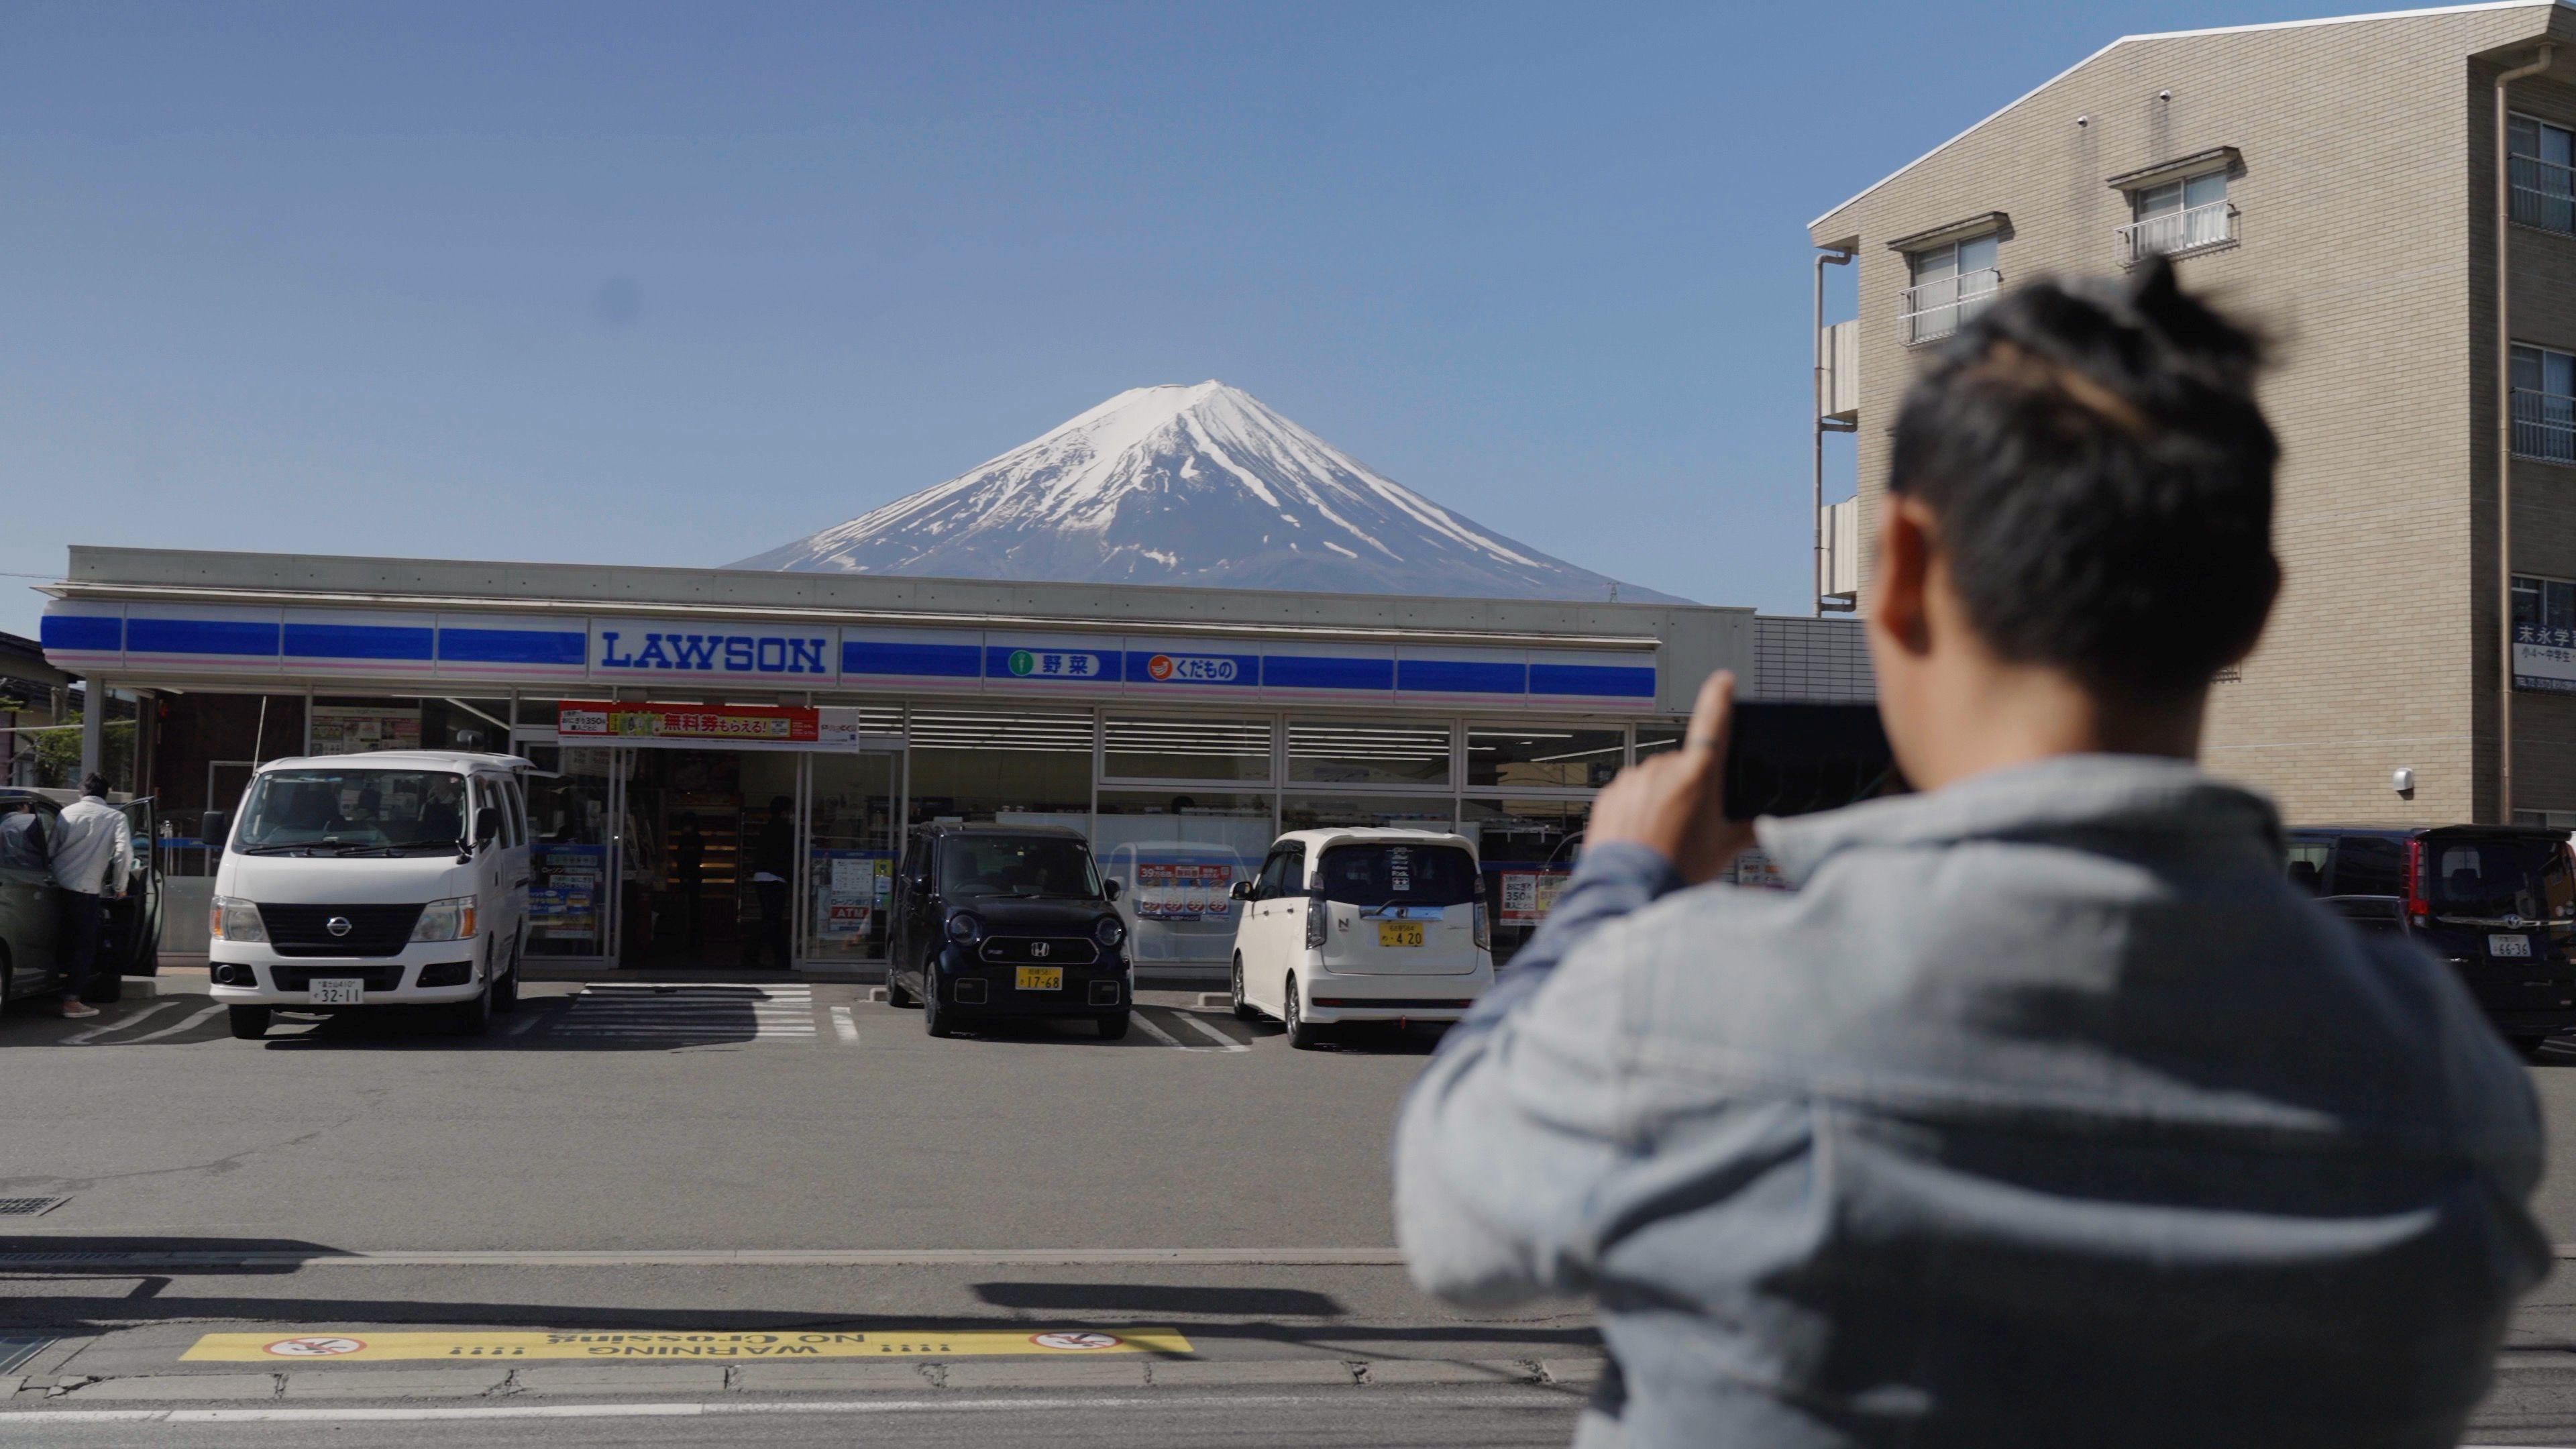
x: 1006, y: 920
x: 2495, y: 902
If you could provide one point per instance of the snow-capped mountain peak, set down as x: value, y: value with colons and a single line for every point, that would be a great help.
x: 1197, y: 484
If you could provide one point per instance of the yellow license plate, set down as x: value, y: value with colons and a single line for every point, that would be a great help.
x: 1041, y: 978
x: 1399, y: 933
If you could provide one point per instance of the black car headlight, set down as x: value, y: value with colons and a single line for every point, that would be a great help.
x: 965, y: 928
x: 1109, y: 932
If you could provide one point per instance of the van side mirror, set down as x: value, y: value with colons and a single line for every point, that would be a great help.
x: 215, y: 829
x: 487, y: 825
x: 1111, y: 887
x: 1241, y: 890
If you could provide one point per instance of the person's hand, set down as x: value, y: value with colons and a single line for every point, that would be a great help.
x: 1675, y: 803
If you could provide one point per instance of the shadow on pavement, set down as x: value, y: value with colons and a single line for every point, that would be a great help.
x: 1161, y: 1298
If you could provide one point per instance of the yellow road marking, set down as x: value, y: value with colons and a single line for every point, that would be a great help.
x: 364, y: 1346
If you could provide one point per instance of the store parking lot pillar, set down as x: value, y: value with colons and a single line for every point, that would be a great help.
x: 93, y: 726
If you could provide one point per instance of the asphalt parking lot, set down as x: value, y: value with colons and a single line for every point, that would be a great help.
x: 683, y: 1161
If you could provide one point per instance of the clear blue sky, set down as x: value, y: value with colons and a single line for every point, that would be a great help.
x: 670, y: 285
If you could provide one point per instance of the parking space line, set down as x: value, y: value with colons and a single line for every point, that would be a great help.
x: 844, y: 1026
x: 1160, y: 1035
x: 120, y: 1024
x: 192, y: 1020
x: 1211, y: 1033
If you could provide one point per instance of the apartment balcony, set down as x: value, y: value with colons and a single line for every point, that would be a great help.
x: 2544, y: 426
x: 1839, y: 569
x: 1930, y: 311
x: 1838, y: 384
x: 2544, y: 193
x: 2178, y: 233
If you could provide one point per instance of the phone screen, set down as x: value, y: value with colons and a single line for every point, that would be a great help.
x: 1797, y: 759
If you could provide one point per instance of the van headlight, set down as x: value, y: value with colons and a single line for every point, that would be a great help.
x: 230, y: 918
x: 449, y: 920
x: 965, y: 928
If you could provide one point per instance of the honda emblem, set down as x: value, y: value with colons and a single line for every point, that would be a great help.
x: 1038, y: 949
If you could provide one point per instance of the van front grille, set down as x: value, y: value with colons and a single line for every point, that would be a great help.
x: 306, y: 930
x: 1041, y: 950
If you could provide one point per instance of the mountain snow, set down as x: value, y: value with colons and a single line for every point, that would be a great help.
x: 1190, y: 485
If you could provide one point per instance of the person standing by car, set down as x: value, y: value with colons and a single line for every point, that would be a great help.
x: 92, y: 856
x: 773, y: 856
x: 2044, y: 1109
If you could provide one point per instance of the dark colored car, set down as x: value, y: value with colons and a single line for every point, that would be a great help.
x: 2496, y: 902
x: 33, y: 933
x: 1006, y: 920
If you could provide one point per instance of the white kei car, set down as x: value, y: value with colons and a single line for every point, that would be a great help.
x: 1362, y: 925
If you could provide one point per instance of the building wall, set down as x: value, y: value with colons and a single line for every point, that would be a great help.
x: 2358, y: 254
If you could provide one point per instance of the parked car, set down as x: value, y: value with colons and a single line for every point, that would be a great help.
x: 1362, y: 925
x: 2495, y: 902
x: 350, y: 882
x: 33, y: 938
x: 1006, y: 920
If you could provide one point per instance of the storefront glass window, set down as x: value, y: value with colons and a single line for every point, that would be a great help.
x: 568, y: 852
x: 1656, y: 739
x: 1527, y: 849
x: 1176, y: 856
x: 1142, y: 748
x: 1538, y: 757
x: 1368, y: 752
x: 346, y: 726
x: 850, y: 854
x: 1019, y: 768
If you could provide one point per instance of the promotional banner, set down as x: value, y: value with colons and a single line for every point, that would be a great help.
x: 743, y: 725
x: 2544, y: 659
x: 1528, y: 895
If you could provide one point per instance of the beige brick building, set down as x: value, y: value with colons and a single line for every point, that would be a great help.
x: 2333, y: 180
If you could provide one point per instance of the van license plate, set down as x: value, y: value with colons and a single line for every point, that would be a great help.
x: 2509, y: 945
x: 1399, y: 933
x: 339, y: 991
x: 1040, y: 978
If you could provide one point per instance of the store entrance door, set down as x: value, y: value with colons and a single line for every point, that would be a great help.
x: 852, y: 805
x: 710, y: 859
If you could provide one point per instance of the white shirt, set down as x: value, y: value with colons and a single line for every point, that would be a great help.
x: 91, y: 836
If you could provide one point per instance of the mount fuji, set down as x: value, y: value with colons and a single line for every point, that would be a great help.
x: 1191, y: 485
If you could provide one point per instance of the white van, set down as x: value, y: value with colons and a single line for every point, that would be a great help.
x: 1362, y: 925
x: 390, y: 879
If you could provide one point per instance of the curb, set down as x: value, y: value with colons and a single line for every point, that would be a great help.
x: 934, y: 1376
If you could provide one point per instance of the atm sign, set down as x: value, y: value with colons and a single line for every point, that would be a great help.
x: 1191, y: 669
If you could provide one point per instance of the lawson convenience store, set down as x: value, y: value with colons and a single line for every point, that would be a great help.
x: 694, y: 727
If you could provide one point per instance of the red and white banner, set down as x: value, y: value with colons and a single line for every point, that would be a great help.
x: 630, y: 723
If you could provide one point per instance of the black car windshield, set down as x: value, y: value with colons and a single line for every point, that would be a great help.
x: 2500, y: 876
x: 1002, y: 865
x: 1391, y: 873
x: 351, y: 810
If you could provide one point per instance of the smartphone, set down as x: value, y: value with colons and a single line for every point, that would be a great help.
x: 1797, y: 759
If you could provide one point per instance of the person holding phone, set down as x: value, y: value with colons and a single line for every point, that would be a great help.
x: 2044, y: 1109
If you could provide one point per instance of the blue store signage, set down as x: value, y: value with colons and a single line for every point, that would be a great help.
x: 648, y: 646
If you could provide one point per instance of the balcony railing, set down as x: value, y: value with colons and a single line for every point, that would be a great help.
x: 2544, y: 193
x: 1838, y: 389
x: 2544, y: 426
x: 2176, y: 232
x: 1930, y: 311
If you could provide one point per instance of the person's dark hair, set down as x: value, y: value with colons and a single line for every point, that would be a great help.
x: 2101, y: 477
x: 94, y: 783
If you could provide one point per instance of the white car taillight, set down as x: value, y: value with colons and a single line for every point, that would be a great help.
x: 1318, y: 910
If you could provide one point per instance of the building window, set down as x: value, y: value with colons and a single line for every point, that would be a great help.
x: 2177, y: 217
x: 2544, y: 404
x: 1953, y: 282
x: 2542, y: 161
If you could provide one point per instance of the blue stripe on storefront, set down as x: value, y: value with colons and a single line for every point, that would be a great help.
x: 84, y: 633
x: 916, y: 661
x: 1593, y: 681
x: 201, y: 636
x: 357, y: 641
x: 512, y: 646
x: 1307, y: 671
x: 1461, y: 676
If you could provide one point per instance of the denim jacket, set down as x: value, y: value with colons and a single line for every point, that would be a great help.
x: 2043, y: 1110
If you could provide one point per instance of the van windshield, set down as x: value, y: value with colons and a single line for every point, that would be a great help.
x: 989, y: 865
x: 1390, y: 873
x: 2500, y: 876
x: 351, y: 811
